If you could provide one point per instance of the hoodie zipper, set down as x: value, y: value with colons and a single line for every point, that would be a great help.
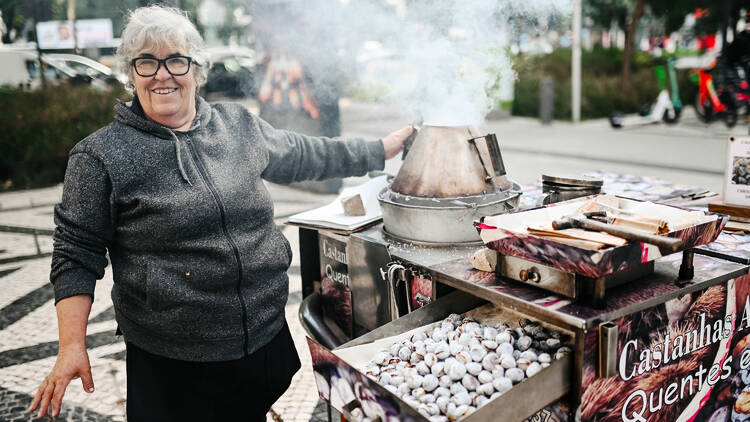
x: 204, y: 175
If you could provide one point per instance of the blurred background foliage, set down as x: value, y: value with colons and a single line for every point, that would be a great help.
x: 41, y: 126
x: 601, y: 93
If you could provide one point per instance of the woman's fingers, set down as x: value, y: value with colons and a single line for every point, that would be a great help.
x: 394, y: 141
x: 38, y: 395
x: 67, y: 367
x: 60, y: 388
x: 46, y: 397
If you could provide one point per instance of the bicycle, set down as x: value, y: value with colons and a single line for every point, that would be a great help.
x: 719, y: 100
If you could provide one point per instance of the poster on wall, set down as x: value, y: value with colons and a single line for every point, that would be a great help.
x: 88, y: 32
x: 55, y: 34
x: 94, y: 33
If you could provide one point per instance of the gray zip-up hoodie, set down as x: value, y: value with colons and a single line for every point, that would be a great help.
x: 199, y: 266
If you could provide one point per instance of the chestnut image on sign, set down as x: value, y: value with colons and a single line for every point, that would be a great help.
x: 741, y: 170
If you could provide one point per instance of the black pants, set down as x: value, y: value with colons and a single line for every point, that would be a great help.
x: 163, y: 389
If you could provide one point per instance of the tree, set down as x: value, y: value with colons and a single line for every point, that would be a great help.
x: 606, y: 12
x: 113, y: 10
x: 12, y: 17
x: 627, y: 54
x: 16, y: 13
x: 628, y: 14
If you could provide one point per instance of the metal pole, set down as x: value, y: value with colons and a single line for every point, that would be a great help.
x: 726, y: 6
x: 37, y: 9
x: 72, y: 18
x: 576, y: 63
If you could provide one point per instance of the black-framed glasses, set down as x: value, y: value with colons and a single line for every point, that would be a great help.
x: 175, y: 65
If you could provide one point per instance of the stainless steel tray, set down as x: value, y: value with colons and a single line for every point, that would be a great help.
x: 521, y: 402
x: 442, y: 220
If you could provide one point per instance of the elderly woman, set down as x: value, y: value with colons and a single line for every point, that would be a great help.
x: 173, y: 190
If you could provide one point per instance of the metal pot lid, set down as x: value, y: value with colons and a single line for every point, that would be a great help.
x: 573, y: 180
x: 387, y: 195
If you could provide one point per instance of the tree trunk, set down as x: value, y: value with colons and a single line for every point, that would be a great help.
x: 627, y: 55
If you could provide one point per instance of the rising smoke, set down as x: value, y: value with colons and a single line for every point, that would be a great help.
x: 450, y: 56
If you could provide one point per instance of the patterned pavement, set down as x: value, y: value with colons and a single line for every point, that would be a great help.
x: 28, y: 329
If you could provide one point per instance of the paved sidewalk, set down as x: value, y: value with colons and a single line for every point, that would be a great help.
x: 28, y: 329
x: 690, y: 152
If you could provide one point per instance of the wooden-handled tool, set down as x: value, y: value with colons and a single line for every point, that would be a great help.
x: 671, y: 243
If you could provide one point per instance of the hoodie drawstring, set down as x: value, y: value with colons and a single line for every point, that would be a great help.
x: 178, y: 152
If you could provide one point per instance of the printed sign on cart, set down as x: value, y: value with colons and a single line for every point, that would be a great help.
x: 737, y: 171
x: 334, y: 285
x: 685, y: 360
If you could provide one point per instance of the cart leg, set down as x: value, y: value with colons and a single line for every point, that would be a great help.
x: 309, y: 253
x: 607, y: 350
x: 687, y: 271
x: 598, y: 301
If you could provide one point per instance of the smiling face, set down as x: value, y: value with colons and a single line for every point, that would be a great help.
x: 166, y: 99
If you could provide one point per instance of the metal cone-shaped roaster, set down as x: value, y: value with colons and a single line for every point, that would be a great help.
x: 450, y: 177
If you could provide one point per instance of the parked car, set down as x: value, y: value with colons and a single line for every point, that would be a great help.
x: 21, y: 69
x: 86, y: 67
x: 232, y: 72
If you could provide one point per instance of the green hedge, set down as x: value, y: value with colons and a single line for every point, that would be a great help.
x: 601, y: 91
x: 41, y: 126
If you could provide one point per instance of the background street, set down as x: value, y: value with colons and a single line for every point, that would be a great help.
x: 689, y: 152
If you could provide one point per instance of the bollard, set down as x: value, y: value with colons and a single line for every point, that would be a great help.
x: 546, y: 100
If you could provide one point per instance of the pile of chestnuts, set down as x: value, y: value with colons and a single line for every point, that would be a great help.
x: 448, y: 371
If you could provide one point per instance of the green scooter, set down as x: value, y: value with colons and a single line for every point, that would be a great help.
x: 667, y: 106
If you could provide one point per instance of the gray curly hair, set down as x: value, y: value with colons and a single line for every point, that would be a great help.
x: 156, y: 27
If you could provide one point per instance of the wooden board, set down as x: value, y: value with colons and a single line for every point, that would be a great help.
x: 729, y: 209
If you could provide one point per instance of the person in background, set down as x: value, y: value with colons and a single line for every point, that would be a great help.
x: 738, y: 61
x: 173, y: 191
x: 3, y: 28
x: 300, y: 75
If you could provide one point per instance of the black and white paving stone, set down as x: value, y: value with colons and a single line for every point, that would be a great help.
x: 28, y: 323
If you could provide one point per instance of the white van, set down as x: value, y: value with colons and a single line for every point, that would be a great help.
x: 19, y: 68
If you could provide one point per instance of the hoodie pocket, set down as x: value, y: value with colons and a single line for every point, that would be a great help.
x: 168, y: 287
x: 188, y: 303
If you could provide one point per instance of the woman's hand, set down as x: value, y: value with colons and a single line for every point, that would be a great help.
x: 72, y: 362
x: 72, y: 358
x: 394, y: 141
